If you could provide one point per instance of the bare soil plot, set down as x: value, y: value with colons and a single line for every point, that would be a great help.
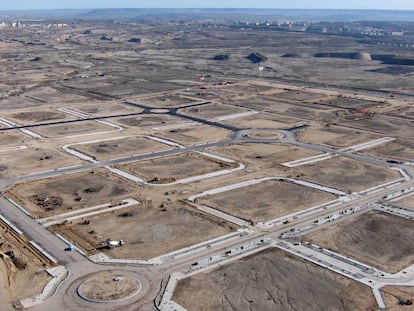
x: 147, y: 231
x: 394, y: 295
x: 404, y: 112
x: 195, y: 135
x: 61, y: 194
x: 27, y: 161
x: 70, y: 129
x: 407, y: 201
x: 267, y: 200
x: 276, y: 105
x: 400, y: 149
x: 153, y: 120
x: 38, y: 116
x: 272, y: 280
x: 172, y: 168
x: 25, y: 269
x: 170, y: 100
x: 263, y: 120
x: 198, y: 94
x: 212, y: 111
x: 335, y: 136
x: 359, y: 237
x: 12, y: 138
x: 107, y: 109
x: 350, y: 103
x: 111, y: 149
x: 382, y: 124
x: 298, y: 95
x: 108, y: 286
x: 249, y: 88
x: 264, y: 155
x: 347, y: 175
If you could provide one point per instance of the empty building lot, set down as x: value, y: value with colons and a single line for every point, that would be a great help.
x: 335, y: 136
x: 173, y: 168
x: 266, y: 200
x: 72, y: 129
x: 359, y: 238
x: 148, y: 231
x: 346, y: 174
x: 61, y: 194
x: 122, y: 147
x: 272, y: 280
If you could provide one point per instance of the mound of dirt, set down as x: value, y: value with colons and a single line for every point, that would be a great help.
x: 257, y: 58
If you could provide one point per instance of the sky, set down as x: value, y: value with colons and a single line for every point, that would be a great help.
x: 286, y: 4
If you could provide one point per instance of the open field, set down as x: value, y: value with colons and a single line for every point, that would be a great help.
x: 170, y: 100
x: 400, y: 149
x: 407, y: 201
x: 116, y: 148
x: 270, y: 156
x: 382, y: 124
x: 405, y: 112
x: 298, y: 96
x: 264, y: 120
x: 267, y: 200
x: 33, y: 116
x: 106, y: 109
x: 147, y: 231
x: 272, y: 280
x: 351, y: 103
x: 276, y: 105
x: 359, y: 237
x: 61, y: 194
x: 172, y: 168
x: 346, y: 174
x: 31, y: 160
x: 212, y: 111
x: 195, y: 135
x: 71, y: 129
x: 12, y: 138
x: 152, y: 120
x: 335, y: 136
x: 393, y: 295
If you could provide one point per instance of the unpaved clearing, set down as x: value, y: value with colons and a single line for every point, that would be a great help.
x: 272, y: 280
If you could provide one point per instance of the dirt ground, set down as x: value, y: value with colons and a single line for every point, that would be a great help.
x: 407, y: 201
x: 212, y: 111
x: 393, y: 295
x: 269, y: 156
x: 350, y: 103
x: 335, y: 136
x: 272, y: 280
x: 382, y: 124
x: 359, y: 237
x: 152, y: 120
x: 400, y: 149
x: 108, y: 286
x: 170, y: 100
x: 70, y: 129
x: 147, y: 231
x: 38, y: 116
x: 346, y: 175
x: 405, y: 112
x: 107, y: 109
x: 113, y: 149
x: 31, y: 160
x: 195, y: 135
x: 276, y: 199
x: 12, y: 138
x: 61, y: 194
x: 263, y: 120
x: 172, y: 168
x: 25, y: 272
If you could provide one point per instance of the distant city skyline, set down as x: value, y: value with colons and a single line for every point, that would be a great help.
x: 271, y: 4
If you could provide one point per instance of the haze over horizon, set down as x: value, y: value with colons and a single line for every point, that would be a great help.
x: 265, y: 4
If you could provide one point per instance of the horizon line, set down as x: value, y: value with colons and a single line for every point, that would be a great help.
x: 207, y: 8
